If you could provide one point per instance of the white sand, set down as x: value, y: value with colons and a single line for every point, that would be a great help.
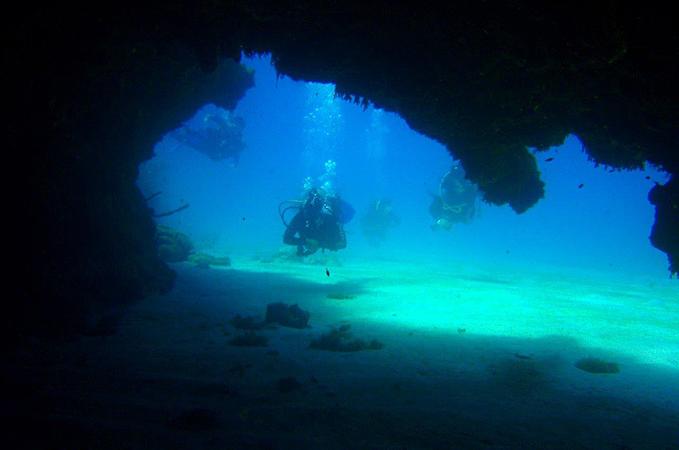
x: 507, y: 381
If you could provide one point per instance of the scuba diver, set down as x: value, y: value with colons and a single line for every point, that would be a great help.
x: 456, y: 201
x: 377, y: 221
x: 219, y: 136
x: 318, y: 222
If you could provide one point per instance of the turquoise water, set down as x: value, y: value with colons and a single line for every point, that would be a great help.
x: 483, y: 324
x: 292, y: 128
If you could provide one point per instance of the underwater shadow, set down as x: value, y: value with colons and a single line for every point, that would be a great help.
x: 258, y: 286
x: 171, y: 378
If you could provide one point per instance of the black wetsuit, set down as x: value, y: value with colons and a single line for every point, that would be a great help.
x: 312, y: 222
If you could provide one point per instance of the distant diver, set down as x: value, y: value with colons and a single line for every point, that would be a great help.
x: 377, y: 221
x: 319, y: 220
x: 455, y: 202
x: 219, y: 136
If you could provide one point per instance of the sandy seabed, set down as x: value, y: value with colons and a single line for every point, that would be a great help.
x: 472, y: 358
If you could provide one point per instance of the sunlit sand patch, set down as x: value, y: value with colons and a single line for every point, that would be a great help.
x: 511, y: 304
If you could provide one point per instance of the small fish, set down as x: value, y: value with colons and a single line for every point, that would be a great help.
x: 522, y: 356
x: 243, y: 218
x: 581, y: 185
x: 549, y: 159
x: 462, y: 330
x: 647, y: 177
x: 327, y: 272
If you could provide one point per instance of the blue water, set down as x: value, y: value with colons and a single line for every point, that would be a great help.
x: 292, y: 128
x: 482, y: 329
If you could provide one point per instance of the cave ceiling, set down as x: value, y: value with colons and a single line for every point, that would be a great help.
x: 488, y: 80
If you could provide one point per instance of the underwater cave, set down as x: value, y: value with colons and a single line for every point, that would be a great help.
x: 326, y: 226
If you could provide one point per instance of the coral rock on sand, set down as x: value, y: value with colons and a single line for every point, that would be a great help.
x: 204, y: 261
x: 596, y: 365
x: 173, y: 246
x: 339, y: 340
x: 287, y: 315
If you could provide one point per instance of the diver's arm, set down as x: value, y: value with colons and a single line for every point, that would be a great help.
x: 295, y: 225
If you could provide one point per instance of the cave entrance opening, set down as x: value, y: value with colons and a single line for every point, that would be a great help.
x: 221, y: 178
x: 224, y: 190
x: 581, y: 249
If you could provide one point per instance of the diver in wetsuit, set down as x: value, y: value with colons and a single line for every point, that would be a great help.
x: 456, y: 201
x: 317, y: 224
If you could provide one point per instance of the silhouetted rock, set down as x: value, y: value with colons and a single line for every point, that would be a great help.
x: 173, y: 246
x: 287, y: 315
x: 489, y: 83
x: 204, y: 261
x: 596, y: 365
x: 339, y: 340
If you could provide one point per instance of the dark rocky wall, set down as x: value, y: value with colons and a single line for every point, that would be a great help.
x: 90, y: 96
x: 89, y: 91
x: 665, y: 233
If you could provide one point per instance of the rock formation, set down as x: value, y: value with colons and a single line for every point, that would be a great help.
x: 89, y: 90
